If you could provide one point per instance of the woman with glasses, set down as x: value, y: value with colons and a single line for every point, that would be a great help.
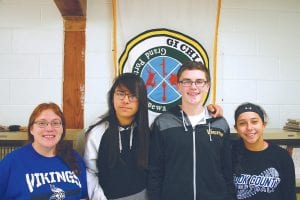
x: 47, y: 167
x: 116, y: 152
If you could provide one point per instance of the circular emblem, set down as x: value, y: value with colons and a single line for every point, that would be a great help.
x: 156, y: 55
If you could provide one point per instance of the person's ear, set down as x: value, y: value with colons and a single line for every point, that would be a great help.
x: 206, y: 87
x: 178, y: 88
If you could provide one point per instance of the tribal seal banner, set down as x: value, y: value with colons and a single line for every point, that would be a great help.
x: 156, y: 56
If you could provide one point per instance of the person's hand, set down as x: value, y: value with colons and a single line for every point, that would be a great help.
x: 215, y: 110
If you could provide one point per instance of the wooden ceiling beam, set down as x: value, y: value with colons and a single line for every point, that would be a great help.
x: 72, y: 8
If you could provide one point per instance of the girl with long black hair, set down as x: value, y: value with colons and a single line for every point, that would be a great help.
x: 116, y: 151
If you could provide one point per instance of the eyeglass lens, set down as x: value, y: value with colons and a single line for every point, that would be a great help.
x: 44, y: 123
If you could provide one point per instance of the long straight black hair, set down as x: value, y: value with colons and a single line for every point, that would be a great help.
x: 136, y: 86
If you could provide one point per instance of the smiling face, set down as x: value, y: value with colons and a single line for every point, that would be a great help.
x: 125, y: 104
x: 250, y: 128
x: 47, y: 131
x: 192, y: 95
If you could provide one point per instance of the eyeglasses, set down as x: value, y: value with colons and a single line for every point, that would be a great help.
x: 121, y: 95
x: 189, y: 83
x: 44, y: 123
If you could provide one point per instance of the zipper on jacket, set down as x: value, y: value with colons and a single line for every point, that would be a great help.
x: 194, y: 162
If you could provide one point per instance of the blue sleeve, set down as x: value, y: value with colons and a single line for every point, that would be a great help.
x: 83, y: 180
x: 5, y: 168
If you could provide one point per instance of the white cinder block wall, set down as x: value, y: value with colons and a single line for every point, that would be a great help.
x: 99, y: 60
x: 258, y: 57
x: 31, y: 47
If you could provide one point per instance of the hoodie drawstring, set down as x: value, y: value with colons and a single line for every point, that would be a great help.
x: 184, y: 121
x: 131, y: 137
x: 209, y: 133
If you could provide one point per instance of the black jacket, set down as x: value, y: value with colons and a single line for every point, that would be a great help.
x: 189, y: 163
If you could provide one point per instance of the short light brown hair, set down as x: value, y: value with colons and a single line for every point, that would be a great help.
x: 192, y: 65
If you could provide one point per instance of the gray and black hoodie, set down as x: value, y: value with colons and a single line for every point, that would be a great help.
x: 190, y: 163
x: 125, y: 179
